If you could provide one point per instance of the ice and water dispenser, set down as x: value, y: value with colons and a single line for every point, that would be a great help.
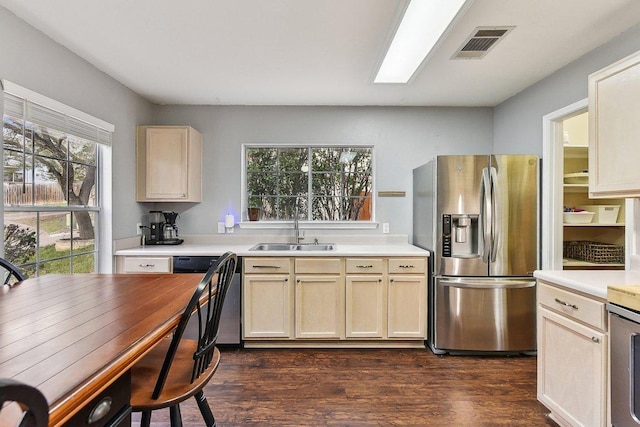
x: 460, y: 235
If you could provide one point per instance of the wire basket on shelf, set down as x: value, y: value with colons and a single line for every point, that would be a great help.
x: 595, y: 252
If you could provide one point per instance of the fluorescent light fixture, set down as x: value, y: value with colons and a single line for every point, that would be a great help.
x: 423, y: 23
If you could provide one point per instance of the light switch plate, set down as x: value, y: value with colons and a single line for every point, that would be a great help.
x: 385, y: 227
x: 221, y: 228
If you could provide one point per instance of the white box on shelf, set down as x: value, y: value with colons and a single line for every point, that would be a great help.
x: 583, y: 217
x: 603, y: 214
x: 576, y: 178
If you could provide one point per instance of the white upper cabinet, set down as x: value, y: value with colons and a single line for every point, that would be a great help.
x: 614, y: 130
x: 169, y: 164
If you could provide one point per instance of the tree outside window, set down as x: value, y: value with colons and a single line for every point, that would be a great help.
x: 321, y: 183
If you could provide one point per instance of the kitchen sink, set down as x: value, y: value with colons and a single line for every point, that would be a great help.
x: 294, y: 247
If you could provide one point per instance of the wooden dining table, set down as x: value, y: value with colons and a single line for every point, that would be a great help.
x: 74, y: 336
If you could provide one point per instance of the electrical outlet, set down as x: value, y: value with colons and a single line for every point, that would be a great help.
x: 138, y: 229
x: 385, y: 227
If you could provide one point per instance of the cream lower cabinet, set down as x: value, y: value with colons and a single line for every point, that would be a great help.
x: 267, y: 298
x: 407, y: 294
x: 365, y: 298
x: 319, y: 298
x: 334, y: 301
x: 572, y: 357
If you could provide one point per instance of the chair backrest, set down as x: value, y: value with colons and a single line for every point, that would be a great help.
x: 33, y: 410
x: 9, y: 273
x: 215, y: 281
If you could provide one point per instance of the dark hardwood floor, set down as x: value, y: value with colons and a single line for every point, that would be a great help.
x: 317, y: 387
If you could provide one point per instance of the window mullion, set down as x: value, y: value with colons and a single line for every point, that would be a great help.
x: 309, y: 183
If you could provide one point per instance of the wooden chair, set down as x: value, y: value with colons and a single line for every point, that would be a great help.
x: 22, y: 405
x: 179, y: 368
x: 9, y: 273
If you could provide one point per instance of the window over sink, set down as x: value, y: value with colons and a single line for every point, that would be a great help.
x: 320, y: 183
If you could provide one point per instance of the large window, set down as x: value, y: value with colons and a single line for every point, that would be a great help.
x: 321, y: 183
x: 51, y: 165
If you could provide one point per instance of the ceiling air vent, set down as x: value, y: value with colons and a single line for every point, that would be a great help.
x: 481, y: 40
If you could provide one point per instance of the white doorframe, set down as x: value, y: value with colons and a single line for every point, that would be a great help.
x: 552, y: 196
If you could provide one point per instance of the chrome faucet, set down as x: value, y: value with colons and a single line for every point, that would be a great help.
x: 298, y: 234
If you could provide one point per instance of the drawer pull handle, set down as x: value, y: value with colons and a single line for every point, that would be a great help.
x: 266, y: 266
x: 575, y: 307
x: 146, y: 265
x: 100, y: 410
x: 364, y: 266
x: 407, y: 266
x: 595, y: 339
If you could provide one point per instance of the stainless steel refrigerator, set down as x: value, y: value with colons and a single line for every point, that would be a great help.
x: 478, y: 215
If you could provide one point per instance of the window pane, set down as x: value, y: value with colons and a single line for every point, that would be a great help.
x: 82, y: 185
x: 261, y: 183
x: 49, y: 175
x: 326, y: 209
x: 293, y: 159
x: 18, y: 188
x: 12, y: 135
x: 82, y: 151
x: 59, y: 266
x: 283, y: 207
x: 85, y: 263
x: 83, y: 231
x: 293, y: 184
x: 55, y: 235
x: 20, y: 237
x: 49, y: 142
x: 262, y: 159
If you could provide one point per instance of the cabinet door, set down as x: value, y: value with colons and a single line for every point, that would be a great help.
x: 167, y: 171
x: 267, y: 310
x: 614, y: 129
x: 365, y: 307
x: 407, y: 306
x: 572, y: 370
x: 319, y: 307
x: 169, y: 164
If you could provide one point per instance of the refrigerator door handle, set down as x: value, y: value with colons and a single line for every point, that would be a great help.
x: 486, y: 217
x: 489, y: 284
x: 495, y: 206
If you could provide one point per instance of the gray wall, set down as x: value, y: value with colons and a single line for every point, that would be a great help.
x: 404, y: 137
x: 34, y: 61
x: 518, y: 120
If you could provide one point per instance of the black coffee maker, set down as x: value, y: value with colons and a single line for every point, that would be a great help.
x: 163, y: 229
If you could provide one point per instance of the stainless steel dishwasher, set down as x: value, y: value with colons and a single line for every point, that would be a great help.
x: 624, y: 341
x: 229, y: 334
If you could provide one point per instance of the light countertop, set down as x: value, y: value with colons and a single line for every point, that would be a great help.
x: 195, y: 247
x: 591, y: 282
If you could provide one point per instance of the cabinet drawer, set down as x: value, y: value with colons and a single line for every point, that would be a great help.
x: 109, y: 409
x: 147, y: 265
x: 318, y: 265
x: 574, y: 306
x: 407, y: 265
x: 365, y: 265
x: 267, y: 265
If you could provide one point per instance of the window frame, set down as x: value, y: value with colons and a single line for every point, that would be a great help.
x: 308, y: 223
x: 103, y: 228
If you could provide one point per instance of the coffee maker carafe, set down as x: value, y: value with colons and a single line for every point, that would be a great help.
x: 163, y: 229
x: 170, y: 227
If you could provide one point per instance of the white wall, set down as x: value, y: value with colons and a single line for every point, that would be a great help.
x: 404, y: 137
x: 34, y: 61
